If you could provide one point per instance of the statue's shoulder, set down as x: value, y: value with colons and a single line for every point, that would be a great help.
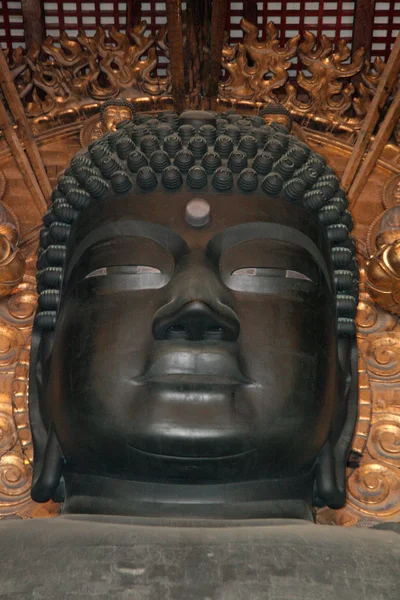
x: 58, y: 558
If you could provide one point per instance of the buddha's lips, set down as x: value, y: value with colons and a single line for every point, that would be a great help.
x: 206, y: 365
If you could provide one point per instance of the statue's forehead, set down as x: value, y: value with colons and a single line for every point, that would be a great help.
x: 227, y: 210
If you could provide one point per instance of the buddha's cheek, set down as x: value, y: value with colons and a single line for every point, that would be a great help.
x: 288, y: 352
x: 103, y: 343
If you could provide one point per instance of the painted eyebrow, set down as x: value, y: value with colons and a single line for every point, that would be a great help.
x: 167, y: 239
x: 232, y: 236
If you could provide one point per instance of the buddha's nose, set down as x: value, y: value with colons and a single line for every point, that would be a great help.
x: 196, y: 321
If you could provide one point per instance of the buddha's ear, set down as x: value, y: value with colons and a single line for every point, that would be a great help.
x: 330, y: 473
x: 48, y: 460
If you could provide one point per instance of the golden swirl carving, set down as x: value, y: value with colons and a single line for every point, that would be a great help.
x: 374, y: 488
x: 370, y: 318
x: 363, y: 423
x: 381, y: 352
x: 20, y: 307
x: 22, y: 303
x: 20, y: 402
x: 367, y: 314
x: 384, y: 439
x: 8, y: 434
x: 11, y: 340
x: 15, y: 479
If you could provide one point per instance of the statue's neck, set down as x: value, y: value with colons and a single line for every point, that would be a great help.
x: 283, y: 498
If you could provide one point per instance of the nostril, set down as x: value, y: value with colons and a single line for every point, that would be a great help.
x: 176, y: 332
x: 196, y: 321
x: 214, y: 332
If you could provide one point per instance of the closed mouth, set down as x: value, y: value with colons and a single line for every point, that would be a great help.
x: 193, y: 364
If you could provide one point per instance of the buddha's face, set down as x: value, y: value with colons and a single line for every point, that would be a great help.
x: 114, y: 115
x: 203, y: 354
x: 278, y: 118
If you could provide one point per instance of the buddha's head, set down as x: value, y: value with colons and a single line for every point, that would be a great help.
x: 196, y: 317
x: 116, y: 111
x: 276, y: 113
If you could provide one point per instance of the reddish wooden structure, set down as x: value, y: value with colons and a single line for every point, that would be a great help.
x: 367, y: 23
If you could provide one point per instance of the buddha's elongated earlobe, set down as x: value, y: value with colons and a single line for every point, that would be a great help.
x: 330, y: 474
x: 327, y: 489
x: 48, y: 460
x: 47, y: 473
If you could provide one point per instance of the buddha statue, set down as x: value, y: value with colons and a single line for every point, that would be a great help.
x: 12, y: 261
x: 193, y: 383
x: 112, y: 112
x: 383, y: 267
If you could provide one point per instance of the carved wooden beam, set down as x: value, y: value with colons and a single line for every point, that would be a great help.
x: 386, y: 82
x: 133, y: 13
x: 21, y: 159
x: 175, y: 38
x: 363, y: 26
x: 33, y: 17
x: 24, y: 128
x: 250, y: 11
x: 218, y: 21
x: 197, y: 50
x: 379, y: 143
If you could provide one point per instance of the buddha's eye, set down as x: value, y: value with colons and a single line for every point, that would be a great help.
x: 125, y: 270
x: 269, y: 280
x: 270, y: 272
x: 127, y: 278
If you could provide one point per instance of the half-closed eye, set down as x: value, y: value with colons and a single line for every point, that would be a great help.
x: 127, y: 278
x: 124, y: 270
x: 270, y: 272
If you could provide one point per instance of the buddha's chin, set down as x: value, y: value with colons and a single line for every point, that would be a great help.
x: 192, y: 421
x: 206, y: 470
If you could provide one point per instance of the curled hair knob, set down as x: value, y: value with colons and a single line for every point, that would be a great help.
x: 237, y: 161
x: 121, y: 182
x: 196, y: 178
x: 248, y: 180
x: 272, y: 184
x: 211, y: 161
x: 209, y: 133
x: 197, y: 145
x: 146, y: 178
x: 184, y: 160
x: 222, y: 179
x: 136, y: 160
x: 233, y: 132
x: 262, y: 163
x: 171, y: 178
x: 149, y: 144
x: 97, y: 187
x: 159, y: 160
x: 223, y: 146
x: 172, y: 145
x: 248, y: 144
x: 294, y: 189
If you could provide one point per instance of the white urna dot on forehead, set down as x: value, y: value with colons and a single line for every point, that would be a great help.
x: 198, y: 212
